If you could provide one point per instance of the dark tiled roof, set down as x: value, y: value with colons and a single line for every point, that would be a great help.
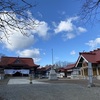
x: 5, y: 61
x: 46, y: 68
x: 61, y: 69
x: 70, y: 66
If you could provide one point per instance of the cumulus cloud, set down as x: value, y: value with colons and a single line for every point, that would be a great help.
x: 33, y: 53
x: 65, y: 25
x: 81, y: 29
x: 15, y: 40
x: 41, y: 29
x: 18, y: 41
x: 68, y: 26
x: 69, y: 36
x: 94, y: 43
x: 73, y: 52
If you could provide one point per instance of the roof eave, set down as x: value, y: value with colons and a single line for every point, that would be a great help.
x: 79, y: 60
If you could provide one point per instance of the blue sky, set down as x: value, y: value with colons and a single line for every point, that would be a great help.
x: 60, y: 28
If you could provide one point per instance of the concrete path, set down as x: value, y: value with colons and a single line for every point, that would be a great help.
x: 24, y: 81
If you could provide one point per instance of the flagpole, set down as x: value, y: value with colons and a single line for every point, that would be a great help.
x: 52, y: 75
x: 52, y: 56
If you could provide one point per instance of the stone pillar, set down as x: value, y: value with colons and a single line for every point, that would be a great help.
x: 90, y: 74
x: 83, y: 73
x: 2, y: 73
x: 98, y: 77
x: 30, y: 78
x: 97, y: 71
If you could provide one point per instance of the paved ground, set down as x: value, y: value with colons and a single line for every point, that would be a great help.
x: 24, y: 81
x: 55, y: 90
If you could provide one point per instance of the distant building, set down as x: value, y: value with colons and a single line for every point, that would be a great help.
x: 17, y: 66
x: 44, y: 72
x: 68, y: 70
x: 60, y: 72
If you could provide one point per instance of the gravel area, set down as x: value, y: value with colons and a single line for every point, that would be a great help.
x: 55, y: 90
x: 4, y: 82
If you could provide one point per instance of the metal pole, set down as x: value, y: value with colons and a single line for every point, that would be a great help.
x: 52, y: 59
x: 52, y: 56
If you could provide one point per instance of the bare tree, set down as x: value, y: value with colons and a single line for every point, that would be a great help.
x: 90, y: 10
x: 61, y: 64
x: 14, y: 15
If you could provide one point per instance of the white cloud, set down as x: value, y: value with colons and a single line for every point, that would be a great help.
x: 41, y: 29
x: 69, y: 28
x: 70, y: 35
x: 81, y: 29
x: 54, y: 24
x: 73, y: 52
x: 16, y: 40
x: 94, y: 43
x: 66, y: 25
x: 33, y: 53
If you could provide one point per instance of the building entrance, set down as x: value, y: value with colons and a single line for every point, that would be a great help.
x: 17, y: 74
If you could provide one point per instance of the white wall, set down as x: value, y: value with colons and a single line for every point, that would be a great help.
x: 13, y: 71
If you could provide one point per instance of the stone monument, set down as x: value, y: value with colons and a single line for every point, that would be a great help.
x: 53, y: 74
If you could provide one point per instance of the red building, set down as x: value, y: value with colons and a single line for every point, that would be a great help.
x: 79, y: 70
x: 82, y: 63
x: 17, y: 66
x: 68, y: 70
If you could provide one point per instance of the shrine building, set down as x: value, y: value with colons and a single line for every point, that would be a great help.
x: 17, y: 66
